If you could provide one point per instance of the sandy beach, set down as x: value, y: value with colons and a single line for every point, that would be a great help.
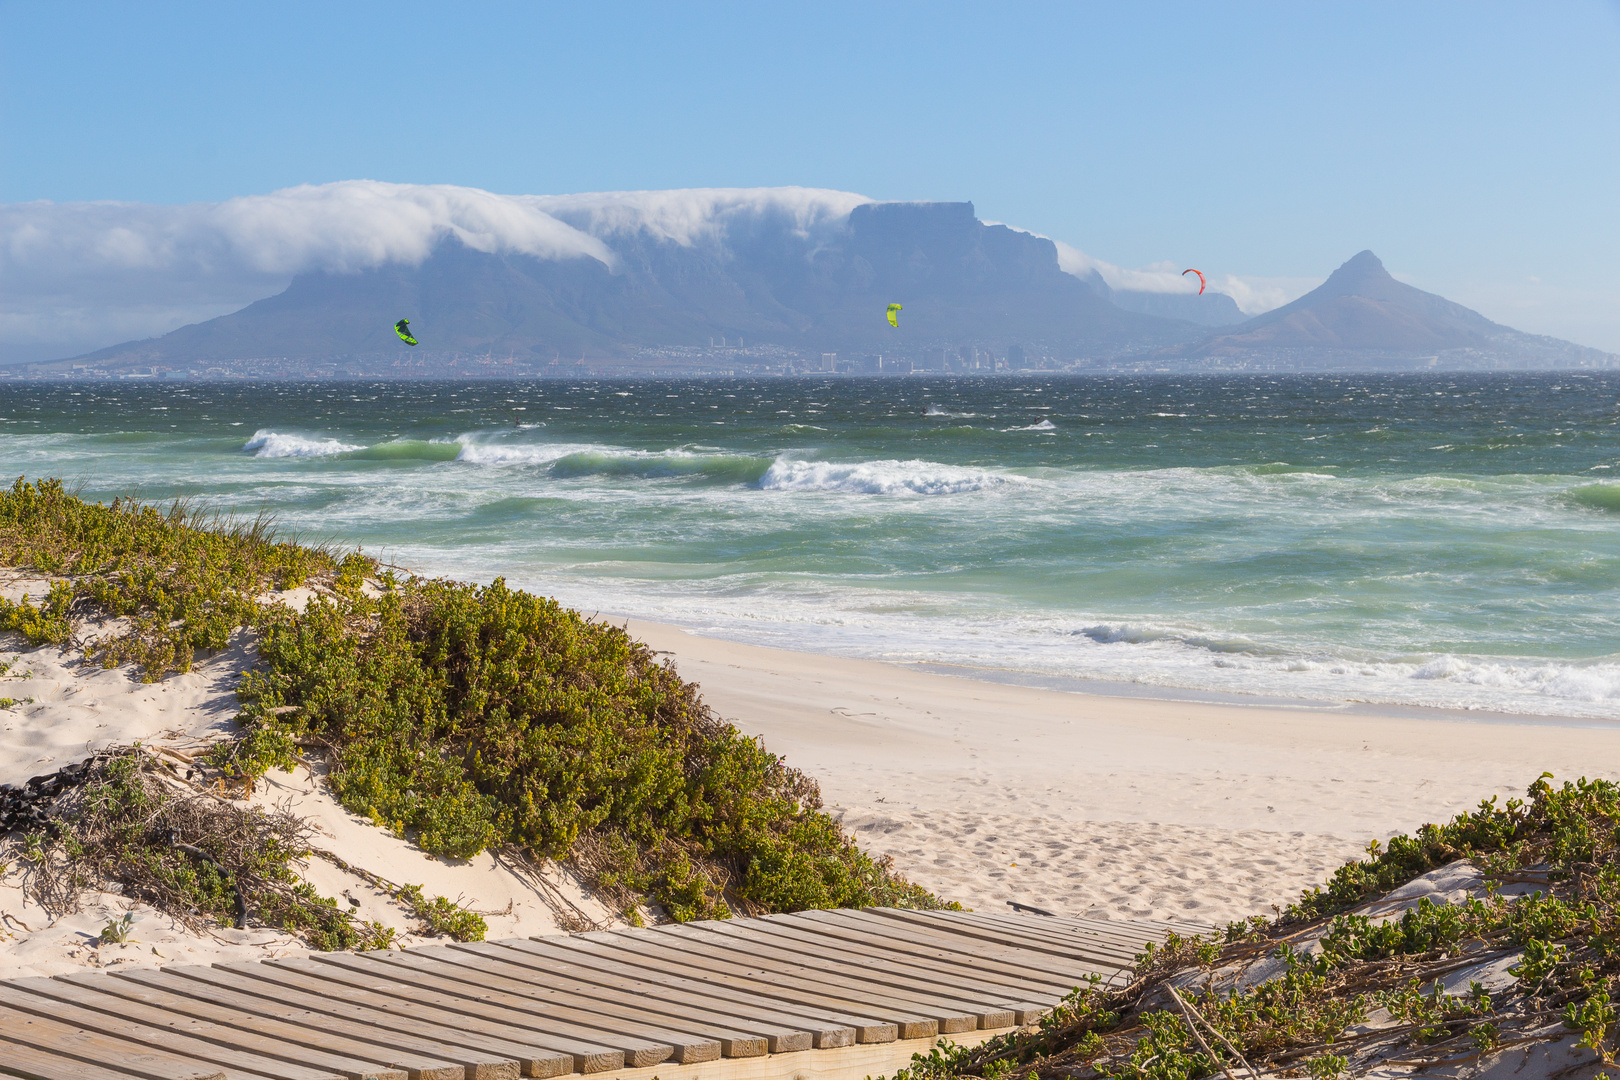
x: 1116, y: 807
x: 984, y: 792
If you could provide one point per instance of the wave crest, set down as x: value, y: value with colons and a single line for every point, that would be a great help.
x: 878, y: 477
x: 274, y: 444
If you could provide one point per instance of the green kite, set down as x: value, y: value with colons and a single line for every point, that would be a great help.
x: 403, y: 329
x: 894, y: 315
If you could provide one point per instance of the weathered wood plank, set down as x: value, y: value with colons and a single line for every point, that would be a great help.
x: 85, y: 995
x: 30, y: 1063
x: 995, y: 1005
x: 652, y: 955
x: 400, y: 967
x: 553, y: 985
x: 779, y: 979
x: 1032, y: 945
x: 952, y: 1014
x: 943, y: 947
x: 931, y: 968
x: 590, y: 963
x: 164, y: 1040
x: 384, y: 1058
x: 993, y: 929
x: 95, y: 1048
x: 1037, y: 928
x: 482, y: 1055
x: 405, y: 1043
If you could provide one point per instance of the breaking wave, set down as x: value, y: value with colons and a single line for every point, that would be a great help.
x: 878, y: 477
x: 274, y: 444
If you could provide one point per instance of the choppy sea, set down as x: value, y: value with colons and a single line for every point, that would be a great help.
x: 1435, y: 540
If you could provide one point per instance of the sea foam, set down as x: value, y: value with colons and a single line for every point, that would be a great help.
x: 878, y: 477
x: 274, y: 444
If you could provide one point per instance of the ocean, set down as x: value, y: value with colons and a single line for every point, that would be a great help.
x: 1435, y: 540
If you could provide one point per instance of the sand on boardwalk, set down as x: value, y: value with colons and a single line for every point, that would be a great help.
x: 1115, y: 807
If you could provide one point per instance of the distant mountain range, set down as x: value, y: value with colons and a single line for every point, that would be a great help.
x: 967, y: 287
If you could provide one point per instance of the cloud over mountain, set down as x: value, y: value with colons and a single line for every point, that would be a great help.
x: 74, y: 276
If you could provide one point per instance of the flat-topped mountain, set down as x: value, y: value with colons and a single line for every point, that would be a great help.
x: 1362, y: 317
x: 762, y: 279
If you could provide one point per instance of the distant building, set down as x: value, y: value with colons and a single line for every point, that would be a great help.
x: 1015, y: 355
x: 829, y: 361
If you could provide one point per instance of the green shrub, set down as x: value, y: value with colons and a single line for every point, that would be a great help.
x: 465, y: 717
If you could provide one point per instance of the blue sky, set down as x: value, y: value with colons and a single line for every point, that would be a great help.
x: 1475, y: 147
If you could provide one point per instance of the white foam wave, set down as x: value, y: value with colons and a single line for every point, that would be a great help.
x: 477, y: 452
x: 274, y: 444
x: 878, y: 477
x: 935, y: 410
x: 1044, y: 425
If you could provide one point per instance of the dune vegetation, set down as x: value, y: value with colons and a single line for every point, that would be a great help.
x: 1322, y: 990
x: 463, y: 717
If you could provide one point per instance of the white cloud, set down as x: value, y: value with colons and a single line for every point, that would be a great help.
x: 697, y: 215
x: 77, y: 276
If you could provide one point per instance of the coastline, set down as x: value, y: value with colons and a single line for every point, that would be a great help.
x: 988, y: 791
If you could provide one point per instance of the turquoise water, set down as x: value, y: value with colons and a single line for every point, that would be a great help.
x: 1431, y: 540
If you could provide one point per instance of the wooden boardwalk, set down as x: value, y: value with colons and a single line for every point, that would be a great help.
x: 817, y: 994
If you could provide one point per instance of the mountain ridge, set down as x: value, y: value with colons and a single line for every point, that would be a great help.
x: 969, y: 289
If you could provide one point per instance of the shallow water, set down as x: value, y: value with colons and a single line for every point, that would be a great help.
x: 1449, y: 540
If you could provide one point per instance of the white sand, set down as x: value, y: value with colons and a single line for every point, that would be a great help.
x: 1107, y: 806
x: 79, y: 709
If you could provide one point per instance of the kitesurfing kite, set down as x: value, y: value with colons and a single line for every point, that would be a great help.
x: 894, y: 315
x: 403, y: 329
x: 1200, y: 274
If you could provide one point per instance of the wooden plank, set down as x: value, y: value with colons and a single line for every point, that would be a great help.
x: 83, y: 994
x: 780, y: 978
x: 1038, y: 929
x: 638, y: 1053
x: 953, y: 1013
x: 166, y: 1040
x: 544, y: 1019
x: 30, y: 1063
x: 386, y: 1058
x: 1148, y: 929
x: 825, y: 978
x: 996, y: 1003
x: 735, y: 1037
x: 900, y: 971
x: 939, y: 945
x: 648, y: 955
x: 1049, y: 949
x: 405, y: 1043
x: 479, y: 1053
x: 536, y: 992
x: 1012, y: 935
x: 921, y: 936
x: 933, y: 968
x: 94, y: 1048
x: 667, y: 989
